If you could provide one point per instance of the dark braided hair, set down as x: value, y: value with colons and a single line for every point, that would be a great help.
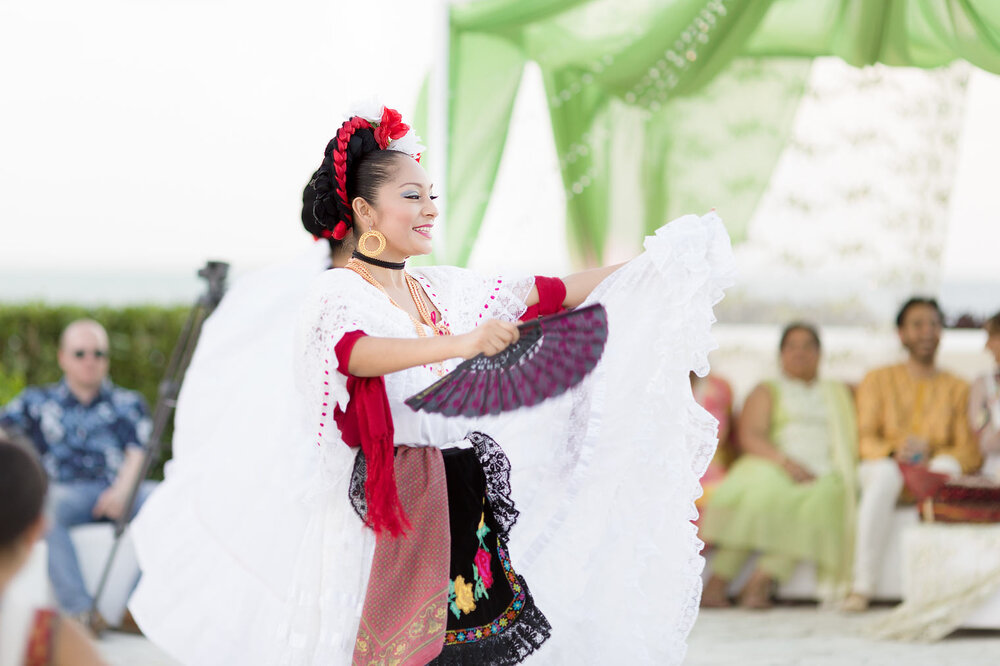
x: 23, y: 483
x: 365, y: 167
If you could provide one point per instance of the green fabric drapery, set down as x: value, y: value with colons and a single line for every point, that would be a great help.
x: 660, y: 107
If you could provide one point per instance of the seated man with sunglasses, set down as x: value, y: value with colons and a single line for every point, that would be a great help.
x: 91, y: 436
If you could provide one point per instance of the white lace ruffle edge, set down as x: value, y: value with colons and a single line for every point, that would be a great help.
x: 615, y: 562
x: 281, y: 584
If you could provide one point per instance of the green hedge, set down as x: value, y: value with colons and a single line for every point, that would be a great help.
x: 141, y: 337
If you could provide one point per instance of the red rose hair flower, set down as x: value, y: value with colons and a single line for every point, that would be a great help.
x: 390, y: 127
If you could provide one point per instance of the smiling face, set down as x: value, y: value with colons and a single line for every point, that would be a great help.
x: 920, y: 332
x: 403, y: 211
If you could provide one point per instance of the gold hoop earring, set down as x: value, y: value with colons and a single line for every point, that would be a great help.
x: 362, y: 243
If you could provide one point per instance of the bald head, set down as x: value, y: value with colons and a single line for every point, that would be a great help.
x: 83, y: 329
x: 83, y: 356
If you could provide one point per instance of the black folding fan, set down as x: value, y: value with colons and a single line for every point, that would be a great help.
x: 552, y: 355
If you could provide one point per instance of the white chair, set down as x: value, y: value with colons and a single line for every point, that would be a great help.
x: 93, y: 544
x: 802, y: 584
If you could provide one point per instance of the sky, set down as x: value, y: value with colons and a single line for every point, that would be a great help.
x: 152, y: 134
x: 142, y: 137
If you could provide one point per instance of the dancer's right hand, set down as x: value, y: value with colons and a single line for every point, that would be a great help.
x: 489, y: 338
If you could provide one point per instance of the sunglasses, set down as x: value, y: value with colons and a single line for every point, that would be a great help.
x: 97, y: 353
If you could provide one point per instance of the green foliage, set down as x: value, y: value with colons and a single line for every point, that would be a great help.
x: 141, y: 337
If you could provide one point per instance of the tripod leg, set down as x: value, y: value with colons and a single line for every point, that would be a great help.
x: 166, y: 401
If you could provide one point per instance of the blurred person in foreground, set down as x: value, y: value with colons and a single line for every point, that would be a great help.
x: 984, y: 404
x: 914, y: 413
x: 91, y: 437
x: 791, y: 496
x: 30, y: 636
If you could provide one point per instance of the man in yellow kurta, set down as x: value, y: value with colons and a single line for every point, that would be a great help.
x: 911, y: 412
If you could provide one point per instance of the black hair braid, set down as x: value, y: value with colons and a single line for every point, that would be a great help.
x: 319, y: 209
x: 367, y: 169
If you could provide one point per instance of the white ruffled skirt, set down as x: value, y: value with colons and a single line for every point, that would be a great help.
x: 250, y: 555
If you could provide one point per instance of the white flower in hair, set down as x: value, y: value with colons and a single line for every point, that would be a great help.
x: 409, y: 143
x: 370, y: 109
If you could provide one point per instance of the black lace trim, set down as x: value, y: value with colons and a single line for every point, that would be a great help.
x: 356, y: 491
x: 496, y: 468
x: 511, y: 647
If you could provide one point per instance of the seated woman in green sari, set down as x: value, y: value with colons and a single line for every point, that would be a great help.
x: 791, y: 497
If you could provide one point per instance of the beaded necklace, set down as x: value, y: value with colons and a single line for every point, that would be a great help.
x: 429, y: 318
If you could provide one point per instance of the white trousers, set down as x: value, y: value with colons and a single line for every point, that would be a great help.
x: 991, y: 466
x: 881, y: 483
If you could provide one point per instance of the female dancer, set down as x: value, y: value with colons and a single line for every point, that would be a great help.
x: 406, y: 544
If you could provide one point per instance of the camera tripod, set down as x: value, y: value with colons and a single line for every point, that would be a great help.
x: 214, y: 273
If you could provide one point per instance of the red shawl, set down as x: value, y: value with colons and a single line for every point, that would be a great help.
x: 367, y: 422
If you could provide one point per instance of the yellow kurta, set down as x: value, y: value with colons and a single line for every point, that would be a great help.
x: 893, y: 405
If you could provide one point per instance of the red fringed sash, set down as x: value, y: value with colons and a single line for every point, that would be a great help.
x: 367, y: 423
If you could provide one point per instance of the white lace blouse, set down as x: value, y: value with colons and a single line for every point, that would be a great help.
x: 341, y: 301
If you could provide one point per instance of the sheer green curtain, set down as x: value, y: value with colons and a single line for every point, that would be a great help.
x: 660, y: 107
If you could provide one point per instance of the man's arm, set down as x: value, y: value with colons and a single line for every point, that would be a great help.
x: 133, y: 432
x: 963, y: 445
x: 872, y: 445
x: 111, y: 502
x: 18, y: 423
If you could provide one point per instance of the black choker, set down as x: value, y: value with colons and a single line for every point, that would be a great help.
x: 394, y: 265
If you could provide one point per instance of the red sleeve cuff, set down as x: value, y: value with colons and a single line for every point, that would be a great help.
x: 344, y: 348
x: 551, y: 294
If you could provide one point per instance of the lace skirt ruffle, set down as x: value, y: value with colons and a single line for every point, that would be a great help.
x: 606, y: 477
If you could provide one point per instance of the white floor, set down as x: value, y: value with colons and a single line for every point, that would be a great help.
x: 128, y: 650
x: 805, y: 636
x: 785, y: 636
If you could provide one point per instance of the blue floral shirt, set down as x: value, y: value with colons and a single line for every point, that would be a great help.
x: 79, y: 442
